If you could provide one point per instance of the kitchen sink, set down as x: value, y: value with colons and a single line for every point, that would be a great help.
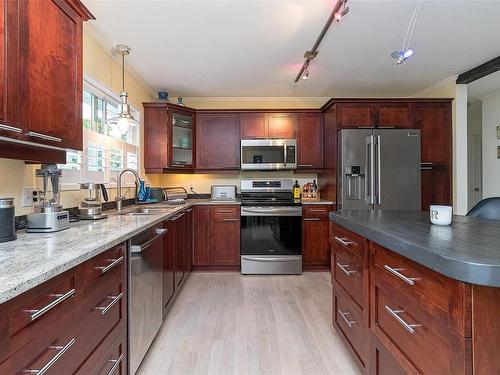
x: 144, y: 211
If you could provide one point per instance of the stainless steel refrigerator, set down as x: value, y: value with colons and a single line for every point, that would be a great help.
x: 378, y: 169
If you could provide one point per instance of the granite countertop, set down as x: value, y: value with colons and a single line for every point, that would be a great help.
x: 37, y: 257
x: 468, y: 250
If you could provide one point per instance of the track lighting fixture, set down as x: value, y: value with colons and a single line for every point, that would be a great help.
x: 402, y: 56
x: 338, y: 13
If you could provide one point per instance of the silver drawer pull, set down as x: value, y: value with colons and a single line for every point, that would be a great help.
x: 394, y: 314
x: 395, y: 272
x: 114, y: 262
x: 344, y: 315
x: 305, y: 165
x: 116, y: 363
x: 312, y: 219
x: 10, y: 128
x: 225, y: 211
x: 105, y: 309
x: 344, y: 241
x: 317, y: 210
x: 60, y: 298
x: 226, y: 219
x: 44, y: 136
x: 343, y: 267
x: 60, y: 352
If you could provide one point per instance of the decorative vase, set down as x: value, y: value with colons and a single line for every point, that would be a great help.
x: 141, y: 193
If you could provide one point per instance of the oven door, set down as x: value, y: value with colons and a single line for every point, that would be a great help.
x: 268, y: 154
x: 271, y: 231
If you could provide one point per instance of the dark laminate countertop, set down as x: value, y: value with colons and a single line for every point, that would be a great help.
x: 468, y: 250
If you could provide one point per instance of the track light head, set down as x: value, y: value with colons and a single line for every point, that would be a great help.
x: 402, y: 57
x: 339, y: 16
x: 305, y: 75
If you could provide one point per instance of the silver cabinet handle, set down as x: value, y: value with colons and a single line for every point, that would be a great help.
x: 317, y: 210
x: 226, y: 219
x: 10, y: 128
x: 394, y: 314
x: 105, y: 309
x: 44, y: 136
x: 350, y: 323
x: 312, y: 219
x: 116, y: 363
x: 344, y: 241
x: 305, y: 165
x: 224, y: 211
x: 60, y: 352
x: 114, y: 262
x: 60, y: 298
x: 140, y: 248
x: 343, y: 267
x: 395, y: 272
x: 379, y: 170
x: 189, y: 210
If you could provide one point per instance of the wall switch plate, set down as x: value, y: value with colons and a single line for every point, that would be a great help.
x: 29, y: 196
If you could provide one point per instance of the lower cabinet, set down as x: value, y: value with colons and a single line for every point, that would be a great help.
x: 70, y: 323
x: 216, y: 237
x: 315, y: 242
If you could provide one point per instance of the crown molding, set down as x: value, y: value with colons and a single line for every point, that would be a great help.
x: 285, y: 99
x: 90, y: 31
x: 435, y: 86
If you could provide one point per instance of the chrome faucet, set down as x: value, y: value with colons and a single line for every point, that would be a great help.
x: 119, y: 197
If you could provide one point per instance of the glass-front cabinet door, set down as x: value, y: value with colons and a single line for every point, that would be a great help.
x: 182, y: 136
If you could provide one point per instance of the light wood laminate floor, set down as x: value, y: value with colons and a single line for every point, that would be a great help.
x: 225, y: 323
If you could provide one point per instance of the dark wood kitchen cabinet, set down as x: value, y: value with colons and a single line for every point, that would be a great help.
x: 41, y: 77
x: 253, y: 125
x: 268, y: 125
x: 374, y: 113
x: 282, y: 125
x: 218, y: 146
x: 169, y: 138
x: 87, y: 321
x: 310, y: 141
x: 315, y: 241
x: 168, y: 265
x: 216, y: 237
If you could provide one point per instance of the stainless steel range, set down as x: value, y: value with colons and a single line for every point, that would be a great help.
x: 271, y: 228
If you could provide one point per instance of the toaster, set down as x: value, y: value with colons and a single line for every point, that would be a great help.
x: 223, y: 192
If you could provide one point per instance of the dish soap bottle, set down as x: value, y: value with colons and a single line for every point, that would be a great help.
x: 296, y: 190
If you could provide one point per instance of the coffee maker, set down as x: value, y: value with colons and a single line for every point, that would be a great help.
x: 49, y: 215
x: 90, y: 207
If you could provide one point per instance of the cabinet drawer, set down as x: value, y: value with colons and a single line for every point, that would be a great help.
x: 105, y: 265
x: 109, y: 358
x: 427, y: 342
x: 315, y: 211
x: 384, y: 362
x: 348, y: 318
x: 349, y: 240
x: 438, y: 295
x: 348, y: 271
x: 226, y: 211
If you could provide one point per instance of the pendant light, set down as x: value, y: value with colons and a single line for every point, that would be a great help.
x: 124, y: 119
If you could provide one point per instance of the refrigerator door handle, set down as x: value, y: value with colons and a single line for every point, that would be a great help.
x: 378, y: 145
x: 370, y: 163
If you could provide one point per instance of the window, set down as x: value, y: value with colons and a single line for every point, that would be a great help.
x: 105, y: 150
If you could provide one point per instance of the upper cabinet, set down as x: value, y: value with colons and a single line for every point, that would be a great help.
x: 355, y: 115
x: 373, y: 114
x: 393, y: 115
x: 310, y: 141
x: 261, y: 125
x: 218, y: 145
x: 169, y: 137
x: 41, y: 74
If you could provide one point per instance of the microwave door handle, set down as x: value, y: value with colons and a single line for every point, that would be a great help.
x: 284, y: 153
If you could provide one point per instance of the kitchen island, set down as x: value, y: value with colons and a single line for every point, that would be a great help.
x: 405, y: 290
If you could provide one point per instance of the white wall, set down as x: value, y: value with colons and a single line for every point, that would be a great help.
x: 491, y: 163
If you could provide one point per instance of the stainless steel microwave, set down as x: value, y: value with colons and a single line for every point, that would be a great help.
x: 268, y: 154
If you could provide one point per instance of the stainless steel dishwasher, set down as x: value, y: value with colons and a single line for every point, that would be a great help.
x: 145, y: 306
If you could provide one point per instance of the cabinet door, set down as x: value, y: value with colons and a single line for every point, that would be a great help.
x: 51, y: 73
x: 188, y: 240
x: 179, y: 250
x: 436, y: 186
x: 434, y: 122
x: 281, y: 125
x: 155, y: 138
x: 310, y: 141
x: 393, y: 115
x: 201, y: 227
x: 353, y: 115
x: 315, y: 241
x: 224, y: 237
x: 3, y: 61
x: 168, y: 264
x: 383, y: 362
x: 218, y: 145
x: 182, y: 139
x: 253, y: 126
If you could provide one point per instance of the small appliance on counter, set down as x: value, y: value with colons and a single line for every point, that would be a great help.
x: 175, y: 195
x: 7, y: 220
x: 49, y: 215
x: 90, y: 207
x: 223, y: 193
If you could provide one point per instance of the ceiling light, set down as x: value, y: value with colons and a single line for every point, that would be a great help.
x: 402, y: 56
x: 124, y: 119
x: 339, y: 16
x: 305, y: 75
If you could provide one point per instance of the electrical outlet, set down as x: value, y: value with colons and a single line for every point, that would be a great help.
x: 29, y: 196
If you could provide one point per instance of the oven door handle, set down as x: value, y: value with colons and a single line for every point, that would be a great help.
x: 271, y: 211
x: 282, y: 258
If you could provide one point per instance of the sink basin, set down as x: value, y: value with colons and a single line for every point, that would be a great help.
x: 142, y: 211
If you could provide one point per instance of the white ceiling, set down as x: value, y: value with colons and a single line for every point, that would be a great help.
x: 255, y: 48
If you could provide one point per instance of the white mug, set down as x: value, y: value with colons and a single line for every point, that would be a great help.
x: 441, y: 215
